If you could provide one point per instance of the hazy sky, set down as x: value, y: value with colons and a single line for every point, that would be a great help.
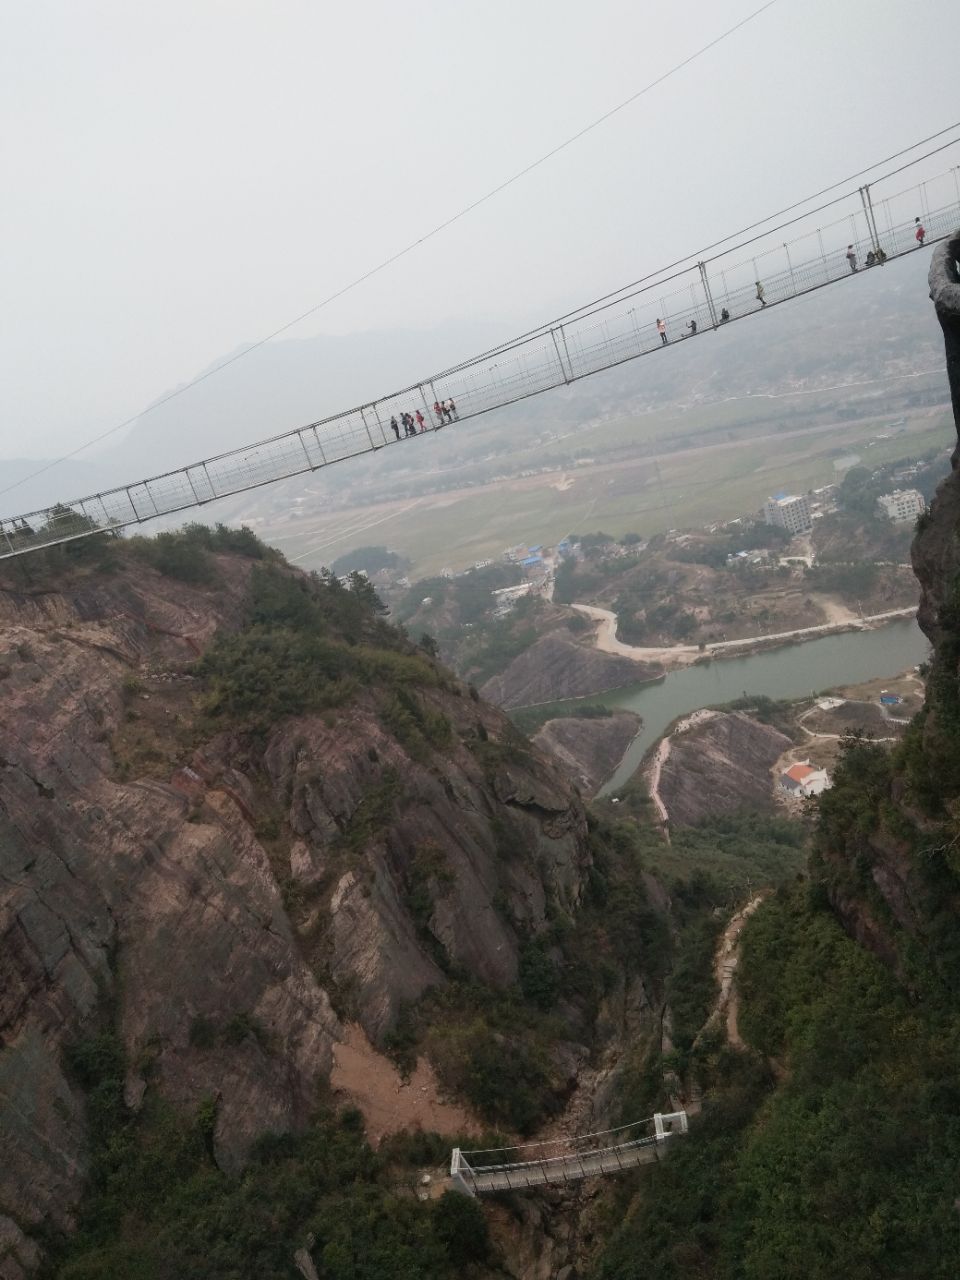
x: 180, y: 178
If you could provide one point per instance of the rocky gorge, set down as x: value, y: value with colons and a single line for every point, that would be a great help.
x: 251, y: 832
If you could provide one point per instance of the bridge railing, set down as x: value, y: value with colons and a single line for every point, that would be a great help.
x: 599, y: 336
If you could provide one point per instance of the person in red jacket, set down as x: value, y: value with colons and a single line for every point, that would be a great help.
x: 920, y: 233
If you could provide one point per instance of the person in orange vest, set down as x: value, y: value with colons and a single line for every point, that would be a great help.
x: 921, y: 233
x: 662, y: 330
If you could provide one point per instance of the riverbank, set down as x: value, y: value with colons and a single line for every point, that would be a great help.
x: 670, y: 657
x: 824, y: 661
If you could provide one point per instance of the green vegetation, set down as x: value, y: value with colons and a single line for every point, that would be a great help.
x: 529, y: 719
x: 312, y: 644
x: 369, y: 560
x: 848, y: 1169
x: 159, y: 1206
x: 469, y: 1029
x: 188, y: 554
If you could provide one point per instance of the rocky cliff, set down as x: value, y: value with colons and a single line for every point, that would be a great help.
x: 557, y: 668
x: 887, y: 846
x: 589, y: 747
x: 718, y: 766
x: 228, y: 889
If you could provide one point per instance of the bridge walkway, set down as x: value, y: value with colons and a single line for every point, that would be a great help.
x: 474, y: 1173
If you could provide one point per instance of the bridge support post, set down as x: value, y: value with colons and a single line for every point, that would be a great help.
x: 193, y: 489
x: 563, y: 335
x: 666, y: 1125
x: 306, y: 452
x: 376, y: 414
x: 213, y: 492
x: 871, y: 219
x: 457, y: 1165
x: 702, y: 266
x: 138, y: 517
x: 560, y: 359
x: 323, y: 456
x: 363, y: 419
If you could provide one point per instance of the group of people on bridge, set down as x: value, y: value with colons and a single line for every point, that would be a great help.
x: 414, y: 423
x: 875, y: 257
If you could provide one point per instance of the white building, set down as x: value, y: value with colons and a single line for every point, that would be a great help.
x: 902, y: 504
x: 803, y: 779
x: 788, y: 511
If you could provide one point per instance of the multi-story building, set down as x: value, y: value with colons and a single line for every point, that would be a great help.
x: 788, y: 511
x: 902, y: 504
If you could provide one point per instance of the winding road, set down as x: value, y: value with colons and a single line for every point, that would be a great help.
x: 681, y: 654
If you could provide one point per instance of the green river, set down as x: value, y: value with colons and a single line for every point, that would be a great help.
x: 788, y: 672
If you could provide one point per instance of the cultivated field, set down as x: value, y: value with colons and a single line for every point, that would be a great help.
x: 748, y: 457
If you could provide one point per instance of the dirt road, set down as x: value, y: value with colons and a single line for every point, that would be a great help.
x: 679, y: 655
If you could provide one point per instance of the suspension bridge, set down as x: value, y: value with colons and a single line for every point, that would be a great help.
x: 692, y: 301
x: 564, y: 1160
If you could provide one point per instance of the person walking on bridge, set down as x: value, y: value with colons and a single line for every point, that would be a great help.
x: 760, y: 291
x: 421, y: 421
x: 662, y: 330
x: 395, y: 425
x: 851, y: 257
x: 920, y: 233
x: 453, y: 408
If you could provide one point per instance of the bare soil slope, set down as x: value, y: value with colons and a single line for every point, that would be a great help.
x: 557, y: 668
x: 718, y: 766
x: 589, y: 748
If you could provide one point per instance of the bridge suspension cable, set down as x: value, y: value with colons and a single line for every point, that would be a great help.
x: 701, y: 296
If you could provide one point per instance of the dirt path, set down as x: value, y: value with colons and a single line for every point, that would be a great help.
x: 389, y: 1103
x: 653, y: 781
x: 662, y: 754
x: 834, y: 610
x: 607, y: 642
x: 683, y: 654
x: 725, y: 963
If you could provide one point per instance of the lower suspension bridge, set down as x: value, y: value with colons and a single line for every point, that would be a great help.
x: 565, y: 1160
x: 871, y: 226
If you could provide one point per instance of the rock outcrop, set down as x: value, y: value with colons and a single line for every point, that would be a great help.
x: 718, y: 766
x: 557, y: 668
x: 225, y: 901
x: 589, y: 748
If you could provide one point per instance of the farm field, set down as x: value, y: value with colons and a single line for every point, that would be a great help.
x: 646, y: 495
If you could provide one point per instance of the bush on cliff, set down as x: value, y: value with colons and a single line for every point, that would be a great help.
x: 159, y: 1206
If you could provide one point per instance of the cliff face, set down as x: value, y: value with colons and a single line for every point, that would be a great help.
x: 589, y: 748
x: 556, y: 668
x: 887, y: 848
x: 231, y: 898
x: 718, y: 766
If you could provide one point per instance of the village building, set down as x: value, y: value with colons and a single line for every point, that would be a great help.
x: 902, y: 504
x: 804, y: 779
x: 790, y: 511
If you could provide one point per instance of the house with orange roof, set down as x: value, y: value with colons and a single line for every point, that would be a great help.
x: 804, y: 779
